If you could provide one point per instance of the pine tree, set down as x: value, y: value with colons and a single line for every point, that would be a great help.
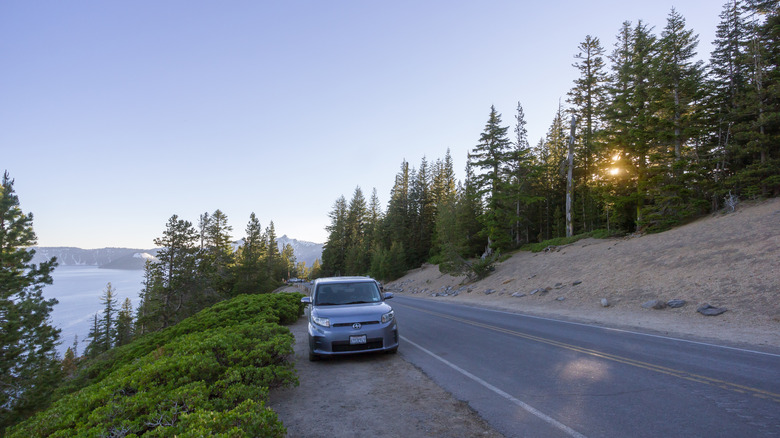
x: 29, y: 367
x: 148, y: 314
x: 398, y: 217
x: 551, y: 153
x: 588, y: 101
x: 755, y: 152
x: 109, y: 319
x: 727, y: 81
x: 96, y: 340
x: 69, y: 363
x: 422, y: 215
x: 677, y: 95
x: 520, y: 169
x: 631, y: 118
x: 124, y: 324
x: 215, y: 258
x: 374, y: 223
x: 468, y: 211
x: 177, y: 294
x: 275, y: 264
x: 488, y: 159
x: 288, y: 261
x: 250, y: 274
x: 334, y: 252
x: 357, y: 256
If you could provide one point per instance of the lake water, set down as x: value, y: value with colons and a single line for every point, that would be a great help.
x: 78, y: 290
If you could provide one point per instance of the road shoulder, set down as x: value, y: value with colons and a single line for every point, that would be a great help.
x: 369, y: 395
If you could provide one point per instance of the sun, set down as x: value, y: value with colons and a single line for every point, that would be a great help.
x: 614, y: 171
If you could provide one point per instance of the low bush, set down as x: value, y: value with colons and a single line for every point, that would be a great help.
x: 208, y: 375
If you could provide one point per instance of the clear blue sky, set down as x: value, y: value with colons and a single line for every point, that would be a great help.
x: 116, y: 115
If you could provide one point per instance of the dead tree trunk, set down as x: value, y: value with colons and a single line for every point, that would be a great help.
x: 570, y: 183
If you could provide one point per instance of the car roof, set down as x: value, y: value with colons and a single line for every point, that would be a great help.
x: 344, y: 279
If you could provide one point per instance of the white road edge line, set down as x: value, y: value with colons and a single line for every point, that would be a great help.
x: 549, y: 420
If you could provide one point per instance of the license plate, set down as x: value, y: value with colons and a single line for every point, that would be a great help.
x: 354, y: 340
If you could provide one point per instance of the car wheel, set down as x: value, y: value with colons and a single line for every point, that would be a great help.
x: 313, y: 357
x: 392, y: 350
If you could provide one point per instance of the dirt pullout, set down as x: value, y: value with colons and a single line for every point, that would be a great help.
x: 726, y: 260
x: 369, y: 395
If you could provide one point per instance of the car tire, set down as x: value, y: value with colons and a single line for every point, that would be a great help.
x: 313, y: 357
x: 392, y: 350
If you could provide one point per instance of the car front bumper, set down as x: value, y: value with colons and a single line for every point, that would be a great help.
x: 329, y: 341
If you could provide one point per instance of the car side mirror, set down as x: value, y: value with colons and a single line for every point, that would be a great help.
x: 306, y: 300
x: 388, y: 295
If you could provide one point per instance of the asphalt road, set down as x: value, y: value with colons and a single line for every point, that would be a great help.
x: 536, y: 377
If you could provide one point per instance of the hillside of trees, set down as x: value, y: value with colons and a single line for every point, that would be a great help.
x: 659, y: 138
x: 196, y: 267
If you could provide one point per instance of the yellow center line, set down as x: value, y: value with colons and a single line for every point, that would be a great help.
x: 620, y: 359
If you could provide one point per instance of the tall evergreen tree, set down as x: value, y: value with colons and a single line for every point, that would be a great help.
x: 148, y: 312
x: 679, y: 86
x: 178, y: 292
x: 287, y: 257
x: 755, y: 152
x: 397, y: 221
x: 488, y: 159
x: 551, y: 155
x: 357, y: 257
x: 631, y: 117
x: 276, y: 266
x: 124, y: 323
x: 727, y: 81
x: 250, y: 273
x: 96, y: 339
x: 422, y: 210
x: 334, y: 252
x: 28, y: 361
x: 109, y: 319
x: 468, y: 211
x: 216, y: 258
x: 588, y: 99
x: 520, y: 170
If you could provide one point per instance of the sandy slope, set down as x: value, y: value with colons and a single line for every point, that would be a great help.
x: 725, y: 260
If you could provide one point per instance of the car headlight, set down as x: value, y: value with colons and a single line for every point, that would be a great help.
x: 387, y: 317
x: 325, y: 322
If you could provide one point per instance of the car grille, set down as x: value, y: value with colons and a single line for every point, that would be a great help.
x: 371, y: 344
x: 349, y: 324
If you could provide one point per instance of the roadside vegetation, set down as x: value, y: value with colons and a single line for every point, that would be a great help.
x: 207, y: 375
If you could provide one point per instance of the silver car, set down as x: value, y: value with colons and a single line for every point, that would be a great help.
x: 349, y: 315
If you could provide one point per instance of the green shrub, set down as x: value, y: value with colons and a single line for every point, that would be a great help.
x: 209, y: 375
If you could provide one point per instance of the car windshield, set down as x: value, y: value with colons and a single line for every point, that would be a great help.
x: 337, y: 294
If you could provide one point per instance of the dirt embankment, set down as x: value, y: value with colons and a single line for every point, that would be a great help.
x: 730, y: 261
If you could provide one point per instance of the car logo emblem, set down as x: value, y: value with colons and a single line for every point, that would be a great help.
x: 356, y: 326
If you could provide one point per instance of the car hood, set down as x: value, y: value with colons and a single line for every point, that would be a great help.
x: 352, y: 312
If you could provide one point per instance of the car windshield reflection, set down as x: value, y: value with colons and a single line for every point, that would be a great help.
x: 343, y: 294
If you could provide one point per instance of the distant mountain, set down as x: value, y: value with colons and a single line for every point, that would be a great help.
x: 304, y: 251
x: 128, y: 258
x: 111, y: 258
